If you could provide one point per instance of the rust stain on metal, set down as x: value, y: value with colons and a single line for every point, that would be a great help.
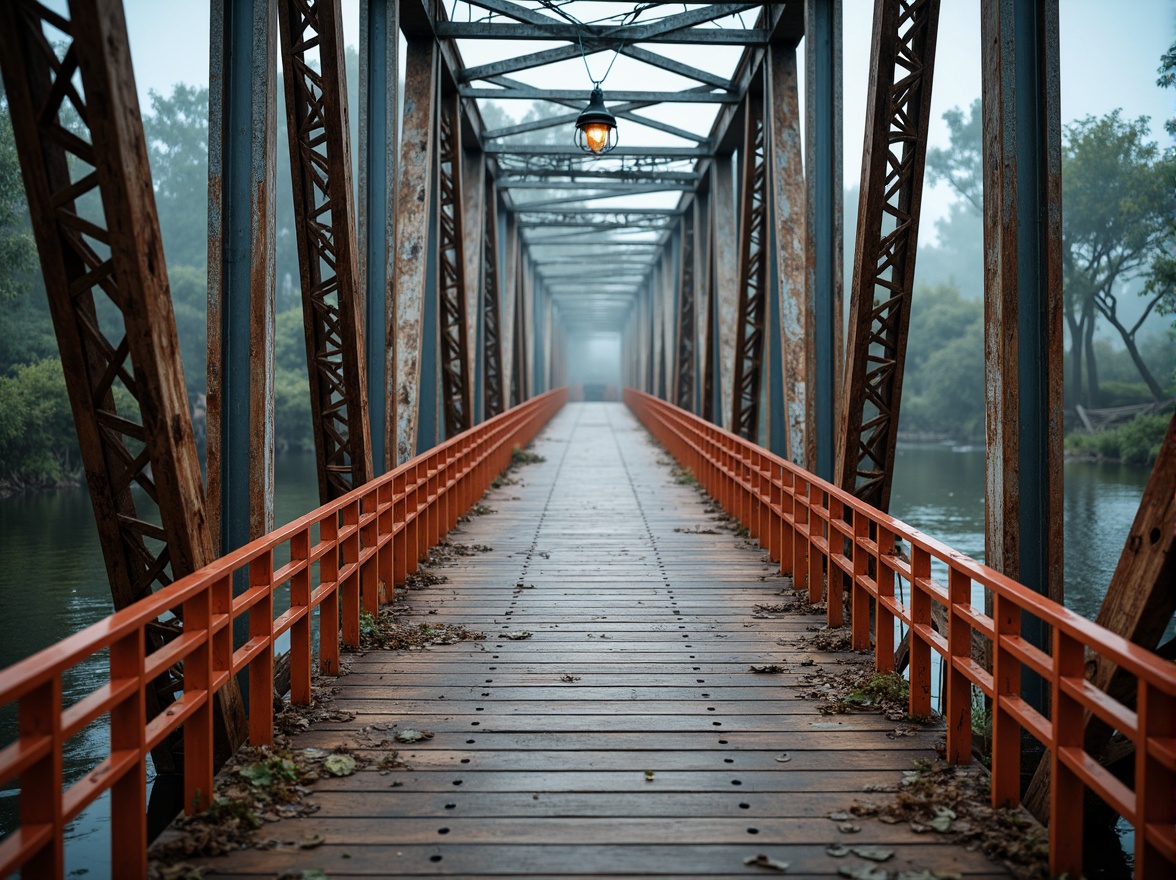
x: 789, y: 217
x: 412, y: 232
x: 726, y: 275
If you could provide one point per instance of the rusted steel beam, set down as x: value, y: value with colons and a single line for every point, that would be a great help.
x: 493, y: 388
x: 823, y: 230
x: 1022, y: 311
x: 518, y: 373
x: 379, y: 120
x: 451, y: 302
x: 242, y: 206
x: 898, y: 116
x: 473, y: 183
x: 725, y: 278
x: 103, y: 261
x: 786, y: 164
x: 687, y: 333
x: 753, y: 278
x: 1023, y: 303
x: 413, y: 205
x: 324, y: 227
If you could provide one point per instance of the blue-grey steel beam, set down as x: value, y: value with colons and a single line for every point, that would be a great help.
x: 1023, y: 302
x: 823, y: 150
x: 379, y: 119
x: 241, y: 211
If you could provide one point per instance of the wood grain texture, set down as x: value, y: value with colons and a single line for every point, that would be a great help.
x: 531, y: 775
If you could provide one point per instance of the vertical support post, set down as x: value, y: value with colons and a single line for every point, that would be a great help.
x: 379, y: 121
x: 753, y: 274
x: 1023, y: 302
x: 493, y: 388
x: 413, y: 207
x: 473, y: 215
x: 315, y: 77
x: 786, y: 167
x: 898, y: 114
x: 452, y: 356
x: 242, y: 206
x: 687, y: 333
x: 725, y: 281
x: 510, y: 314
x: 823, y: 230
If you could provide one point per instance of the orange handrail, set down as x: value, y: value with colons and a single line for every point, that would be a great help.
x: 374, y: 535
x: 817, y: 532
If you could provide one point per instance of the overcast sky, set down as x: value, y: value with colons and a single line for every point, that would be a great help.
x: 1109, y: 57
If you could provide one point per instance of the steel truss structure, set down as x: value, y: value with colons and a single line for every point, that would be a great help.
x: 84, y: 161
x: 311, y: 39
x: 898, y: 114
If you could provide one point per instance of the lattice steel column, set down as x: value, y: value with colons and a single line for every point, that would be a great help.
x: 684, y: 368
x: 451, y: 302
x: 898, y: 114
x: 753, y: 256
x: 320, y: 161
x: 493, y: 401
x: 110, y: 255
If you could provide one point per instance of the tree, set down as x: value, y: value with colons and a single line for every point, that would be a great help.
x: 16, y: 244
x: 177, y: 146
x: 961, y: 165
x: 1116, y: 192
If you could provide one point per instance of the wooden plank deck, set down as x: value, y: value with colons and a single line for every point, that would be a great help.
x: 528, y: 775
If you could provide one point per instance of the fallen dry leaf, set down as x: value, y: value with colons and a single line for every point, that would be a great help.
x: 761, y: 860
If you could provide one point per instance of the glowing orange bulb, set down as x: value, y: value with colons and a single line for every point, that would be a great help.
x: 596, y: 134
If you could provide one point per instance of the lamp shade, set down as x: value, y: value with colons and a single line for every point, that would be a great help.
x: 596, y: 128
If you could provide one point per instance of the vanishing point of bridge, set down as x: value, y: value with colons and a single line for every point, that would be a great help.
x: 447, y: 276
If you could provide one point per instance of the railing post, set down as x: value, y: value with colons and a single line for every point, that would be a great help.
x: 834, y: 576
x: 329, y: 607
x: 859, y: 596
x: 385, y: 527
x: 261, y: 670
x: 400, y: 543
x: 198, y: 760
x: 349, y: 587
x: 128, y: 720
x: 301, y: 647
x: 1154, y: 780
x: 816, y: 580
x: 959, y: 689
x: 883, y: 616
x: 40, y: 796
x: 920, y: 662
x: 369, y: 537
x: 1006, y: 682
x: 1066, y: 805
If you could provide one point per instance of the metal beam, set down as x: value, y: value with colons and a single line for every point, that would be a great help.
x: 1023, y: 319
x: 788, y: 233
x: 379, y: 117
x: 241, y: 218
x: 753, y: 279
x: 823, y: 230
x: 493, y: 387
x: 687, y: 332
x: 451, y: 314
x: 314, y: 70
x: 508, y: 32
x: 561, y: 95
x: 898, y: 116
x: 109, y: 299
x: 413, y: 205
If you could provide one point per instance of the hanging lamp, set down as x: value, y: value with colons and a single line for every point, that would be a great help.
x: 596, y: 128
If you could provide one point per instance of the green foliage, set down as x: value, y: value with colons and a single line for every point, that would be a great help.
x: 943, y: 387
x: 16, y: 244
x: 177, y: 146
x: 38, y: 445
x: 961, y: 165
x: 1137, y: 442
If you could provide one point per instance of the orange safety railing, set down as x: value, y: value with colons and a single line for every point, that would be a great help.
x: 340, y: 556
x: 819, y: 533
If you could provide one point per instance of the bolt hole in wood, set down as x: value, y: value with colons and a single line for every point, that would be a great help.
x: 745, y: 806
x: 442, y: 830
x: 722, y: 742
x: 434, y: 858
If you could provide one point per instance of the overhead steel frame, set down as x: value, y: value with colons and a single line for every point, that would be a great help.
x: 687, y: 331
x: 751, y: 319
x: 898, y: 115
x: 493, y: 399
x: 121, y: 262
x: 324, y: 227
x: 451, y: 301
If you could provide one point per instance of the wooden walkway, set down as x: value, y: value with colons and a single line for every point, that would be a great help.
x: 643, y: 634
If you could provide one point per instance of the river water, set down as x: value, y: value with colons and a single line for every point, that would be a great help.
x: 53, y: 583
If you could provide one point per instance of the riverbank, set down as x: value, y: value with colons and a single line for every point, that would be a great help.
x: 1137, y: 442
